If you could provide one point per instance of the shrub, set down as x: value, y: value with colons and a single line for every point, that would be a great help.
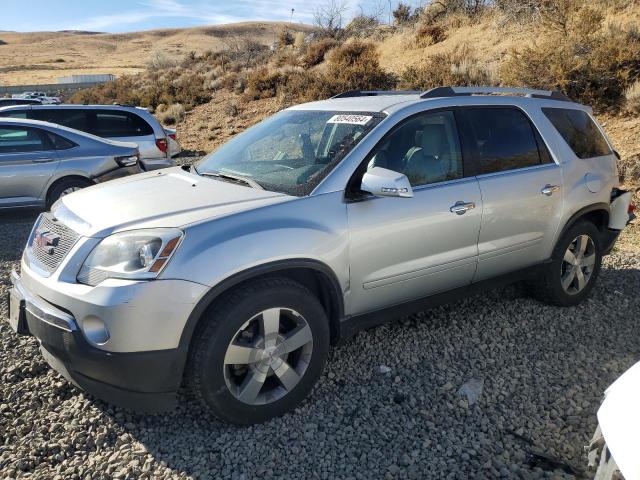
x: 317, y: 51
x: 402, y: 14
x: 300, y: 41
x: 458, y: 67
x: 362, y: 26
x: 172, y: 115
x: 429, y: 34
x: 263, y: 83
x: 629, y: 169
x: 632, y: 99
x: 285, y: 38
x: 592, y: 62
x: 2, y: 42
x: 356, y: 66
x: 160, y: 60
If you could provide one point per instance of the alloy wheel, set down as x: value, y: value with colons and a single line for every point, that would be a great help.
x: 69, y: 190
x: 578, y: 264
x: 268, y: 356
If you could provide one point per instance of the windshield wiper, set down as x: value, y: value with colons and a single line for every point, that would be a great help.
x: 234, y: 178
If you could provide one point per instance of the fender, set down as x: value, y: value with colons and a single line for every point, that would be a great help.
x: 254, y: 272
x: 583, y: 211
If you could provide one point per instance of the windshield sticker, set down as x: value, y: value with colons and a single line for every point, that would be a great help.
x: 352, y: 119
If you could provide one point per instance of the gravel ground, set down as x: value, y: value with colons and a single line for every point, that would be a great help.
x: 387, y: 405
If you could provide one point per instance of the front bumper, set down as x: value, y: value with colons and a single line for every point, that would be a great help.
x: 145, y: 381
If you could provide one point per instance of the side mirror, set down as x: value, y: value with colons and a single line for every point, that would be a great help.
x: 386, y: 183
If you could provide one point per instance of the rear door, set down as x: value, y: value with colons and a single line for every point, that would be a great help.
x: 407, y: 248
x: 520, y: 185
x: 127, y: 127
x: 27, y: 162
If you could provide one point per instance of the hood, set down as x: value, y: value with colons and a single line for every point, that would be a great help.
x: 166, y: 198
x: 619, y: 420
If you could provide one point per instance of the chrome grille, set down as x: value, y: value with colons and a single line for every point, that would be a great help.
x: 50, y: 242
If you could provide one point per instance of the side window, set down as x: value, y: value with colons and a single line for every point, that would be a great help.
x: 72, y: 118
x: 14, y: 114
x: 21, y: 140
x: 502, y: 139
x: 114, y: 123
x: 59, y: 142
x: 579, y: 131
x: 425, y: 148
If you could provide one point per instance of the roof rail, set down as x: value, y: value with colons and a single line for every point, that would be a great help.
x: 375, y: 93
x: 467, y: 91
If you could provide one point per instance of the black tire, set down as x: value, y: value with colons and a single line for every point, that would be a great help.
x: 57, y: 189
x: 548, y: 287
x: 207, y: 373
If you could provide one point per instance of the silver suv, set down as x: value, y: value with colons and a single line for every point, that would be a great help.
x: 235, y: 275
x: 115, y: 122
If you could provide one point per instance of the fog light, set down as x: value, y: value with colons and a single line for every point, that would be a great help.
x: 95, y: 330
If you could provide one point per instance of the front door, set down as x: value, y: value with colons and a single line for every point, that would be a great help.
x: 27, y: 162
x: 406, y: 248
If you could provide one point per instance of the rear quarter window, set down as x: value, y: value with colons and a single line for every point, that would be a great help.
x: 114, y: 123
x: 579, y: 131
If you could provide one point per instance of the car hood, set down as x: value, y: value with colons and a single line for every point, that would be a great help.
x: 166, y: 198
x: 619, y: 420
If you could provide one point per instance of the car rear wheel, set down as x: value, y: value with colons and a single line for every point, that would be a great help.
x: 260, y: 351
x: 65, y: 187
x: 572, y: 272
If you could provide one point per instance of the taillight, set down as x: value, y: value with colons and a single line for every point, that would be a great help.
x: 162, y: 144
x: 632, y: 209
x: 172, y: 136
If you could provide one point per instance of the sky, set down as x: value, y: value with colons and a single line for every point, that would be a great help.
x: 132, y: 15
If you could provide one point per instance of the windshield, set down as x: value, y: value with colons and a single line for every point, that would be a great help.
x: 291, y: 151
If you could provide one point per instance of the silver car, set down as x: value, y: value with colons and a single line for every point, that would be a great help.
x: 41, y: 162
x: 115, y: 122
x: 236, y: 275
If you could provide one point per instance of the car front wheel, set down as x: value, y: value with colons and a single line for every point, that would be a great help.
x: 260, y: 351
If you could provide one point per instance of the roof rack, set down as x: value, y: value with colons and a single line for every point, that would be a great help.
x: 375, y: 93
x: 439, y: 92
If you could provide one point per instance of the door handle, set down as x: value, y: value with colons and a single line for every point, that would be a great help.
x: 460, y: 207
x: 42, y: 160
x: 549, y: 189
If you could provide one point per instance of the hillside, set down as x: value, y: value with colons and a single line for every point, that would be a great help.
x: 42, y: 57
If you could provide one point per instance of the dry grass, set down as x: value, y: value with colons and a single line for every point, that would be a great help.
x: 632, y: 98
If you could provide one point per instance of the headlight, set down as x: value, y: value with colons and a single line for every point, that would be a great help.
x: 135, y: 255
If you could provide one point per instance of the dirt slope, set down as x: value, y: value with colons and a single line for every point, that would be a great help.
x: 42, y: 57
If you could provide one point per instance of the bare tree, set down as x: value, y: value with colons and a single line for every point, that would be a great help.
x: 329, y: 17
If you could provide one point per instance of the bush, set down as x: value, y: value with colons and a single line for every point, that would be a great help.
x: 172, y: 115
x: 356, y: 66
x: 402, y: 14
x: 457, y: 68
x: 429, y: 34
x: 317, y: 51
x: 362, y: 26
x: 285, y: 38
x: 632, y: 99
x: 160, y: 60
x: 2, y: 42
x: 578, y: 53
x: 263, y: 83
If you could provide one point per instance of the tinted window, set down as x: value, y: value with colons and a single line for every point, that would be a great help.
x: 579, y: 131
x: 425, y: 148
x: 502, y: 139
x: 21, y: 140
x: 14, y: 114
x: 71, y: 118
x: 59, y: 142
x: 113, y: 123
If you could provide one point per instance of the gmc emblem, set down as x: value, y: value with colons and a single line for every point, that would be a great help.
x: 46, y: 240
